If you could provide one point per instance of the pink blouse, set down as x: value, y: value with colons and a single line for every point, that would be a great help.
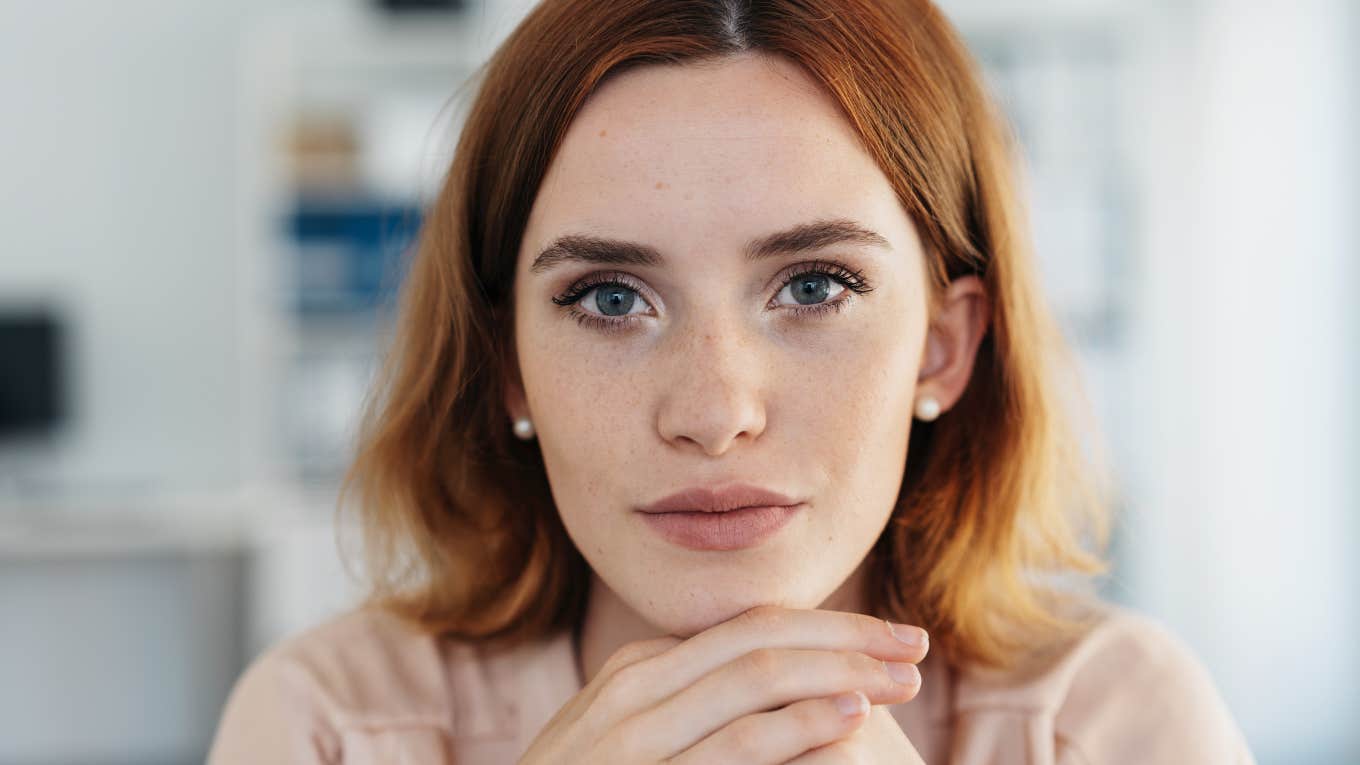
x: 362, y: 688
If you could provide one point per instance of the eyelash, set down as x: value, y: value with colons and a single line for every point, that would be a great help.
x: 852, y: 280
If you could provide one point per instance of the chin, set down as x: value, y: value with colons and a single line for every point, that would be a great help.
x: 687, y: 612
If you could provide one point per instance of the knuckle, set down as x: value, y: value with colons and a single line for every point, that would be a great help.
x: 762, y: 617
x: 628, y: 654
x: 622, y: 743
x: 618, y: 688
x: 813, y: 716
x: 761, y: 666
x: 633, y: 653
x: 744, y: 740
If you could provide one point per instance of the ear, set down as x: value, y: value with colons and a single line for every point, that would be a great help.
x: 516, y: 403
x: 952, y: 341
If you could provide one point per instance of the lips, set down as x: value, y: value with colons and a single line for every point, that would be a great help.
x: 718, y: 499
x: 731, y: 530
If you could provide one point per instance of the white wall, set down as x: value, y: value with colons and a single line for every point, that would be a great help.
x: 117, y: 147
x: 1247, y: 363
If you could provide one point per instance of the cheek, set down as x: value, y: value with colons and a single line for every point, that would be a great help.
x: 850, y: 395
x: 584, y: 409
x: 586, y: 394
x: 854, y: 431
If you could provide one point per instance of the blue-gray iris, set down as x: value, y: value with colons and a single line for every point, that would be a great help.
x: 608, y: 299
x: 618, y: 301
x: 814, y: 286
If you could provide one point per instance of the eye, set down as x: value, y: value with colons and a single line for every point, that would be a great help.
x: 812, y: 288
x: 608, y: 298
x: 820, y: 287
x: 607, y: 301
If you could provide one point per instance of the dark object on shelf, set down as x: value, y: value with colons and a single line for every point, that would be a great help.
x: 401, y: 6
x: 32, y: 382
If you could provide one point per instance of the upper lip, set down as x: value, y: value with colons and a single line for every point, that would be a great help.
x: 717, y: 499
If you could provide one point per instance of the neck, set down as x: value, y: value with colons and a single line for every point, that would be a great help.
x: 609, y: 622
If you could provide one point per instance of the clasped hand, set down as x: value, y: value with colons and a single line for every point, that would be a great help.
x: 771, y: 685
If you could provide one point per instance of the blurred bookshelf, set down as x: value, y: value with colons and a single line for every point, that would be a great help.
x: 1061, y: 72
x: 350, y: 115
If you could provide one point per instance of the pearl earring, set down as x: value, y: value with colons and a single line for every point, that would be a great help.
x: 927, y: 408
x: 524, y: 428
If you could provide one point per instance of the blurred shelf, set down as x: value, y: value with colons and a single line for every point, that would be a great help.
x: 36, y: 529
x: 344, y: 42
x: 121, y: 535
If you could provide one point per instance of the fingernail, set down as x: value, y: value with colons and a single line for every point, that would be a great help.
x: 853, y: 703
x: 903, y: 672
x: 908, y: 634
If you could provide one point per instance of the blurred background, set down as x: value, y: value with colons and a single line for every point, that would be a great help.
x: 204, y: 205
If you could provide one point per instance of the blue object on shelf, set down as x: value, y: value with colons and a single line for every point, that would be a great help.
x: 349, y: 252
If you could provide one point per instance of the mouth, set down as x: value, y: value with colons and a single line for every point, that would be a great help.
x: 719, y: 499
x: 733, y: 529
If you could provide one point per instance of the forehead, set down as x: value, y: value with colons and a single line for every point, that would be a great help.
x: 708, y: 154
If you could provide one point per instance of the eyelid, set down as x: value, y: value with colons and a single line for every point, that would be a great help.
x: 579, y: 288
x: 851, y: 279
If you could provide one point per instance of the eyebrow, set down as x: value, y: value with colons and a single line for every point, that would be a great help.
x: 801, y: 238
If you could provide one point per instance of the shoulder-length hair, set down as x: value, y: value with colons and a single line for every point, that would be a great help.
x: 999, y: 504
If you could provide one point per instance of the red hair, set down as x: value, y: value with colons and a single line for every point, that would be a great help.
x: 462, y: 536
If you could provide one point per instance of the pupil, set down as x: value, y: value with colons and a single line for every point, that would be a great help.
x: 814, y: 287
x: 611, y: 299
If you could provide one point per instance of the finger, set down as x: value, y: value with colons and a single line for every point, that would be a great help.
x: 779, y: 735
x: 625, y: 656
x: 834, y: 753
x: 764, y: 679
x: 648, y: 682
x: 636, y: 651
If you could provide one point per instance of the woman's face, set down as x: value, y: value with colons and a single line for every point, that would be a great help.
x: 707, y: 367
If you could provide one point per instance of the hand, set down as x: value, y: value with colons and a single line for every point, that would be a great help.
x: 880, y: 741
x: 757, y: 688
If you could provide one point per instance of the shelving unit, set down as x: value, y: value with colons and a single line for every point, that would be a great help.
x: 350, y: 118
x: 1060, y: 73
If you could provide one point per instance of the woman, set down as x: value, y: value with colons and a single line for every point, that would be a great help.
x: 722, y: 380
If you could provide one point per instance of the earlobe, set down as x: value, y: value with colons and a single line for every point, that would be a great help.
x: 518, y: 408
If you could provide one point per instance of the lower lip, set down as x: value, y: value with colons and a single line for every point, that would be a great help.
x: 732, y: 530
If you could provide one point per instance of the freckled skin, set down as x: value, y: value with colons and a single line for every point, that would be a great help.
x: 714, y: 384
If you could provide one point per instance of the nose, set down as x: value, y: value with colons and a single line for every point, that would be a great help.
x: 714, y: 394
